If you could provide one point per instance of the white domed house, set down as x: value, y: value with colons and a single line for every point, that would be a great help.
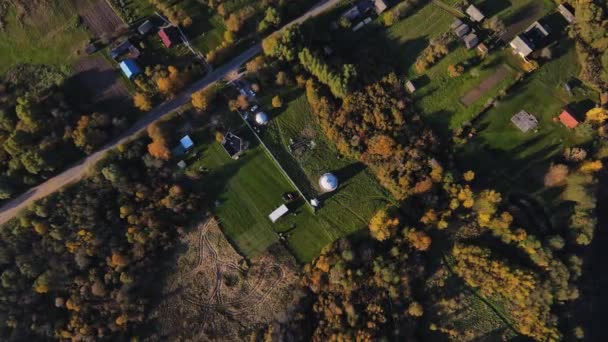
x: 328, y: 182
x: 261, y: 118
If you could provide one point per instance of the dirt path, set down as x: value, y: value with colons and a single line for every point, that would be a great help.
x: 80, y: 169
x: 493, y: 80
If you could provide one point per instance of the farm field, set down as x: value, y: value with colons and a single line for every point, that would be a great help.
x: 45, y: 34
x: 515, y: 162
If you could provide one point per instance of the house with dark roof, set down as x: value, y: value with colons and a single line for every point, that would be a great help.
x: 462, y: 30
x: 568, y: 119
x: 123, y: 48
x: 233, y: 145
x: 169, y: 36
x: 470, y: 40
x: 145, y: 28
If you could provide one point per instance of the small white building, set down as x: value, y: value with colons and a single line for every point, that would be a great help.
x: 278, y: 213
x: 475, y: 14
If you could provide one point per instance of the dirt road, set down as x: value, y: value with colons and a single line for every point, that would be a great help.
x: 80, y: 169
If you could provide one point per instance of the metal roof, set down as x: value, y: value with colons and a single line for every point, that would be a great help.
x: 278, y: 212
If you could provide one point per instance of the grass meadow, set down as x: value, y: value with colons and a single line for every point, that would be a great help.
x: 48, y: 35
x: 249, y: 189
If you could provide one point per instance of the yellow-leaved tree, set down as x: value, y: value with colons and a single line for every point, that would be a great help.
x: 382, y: 225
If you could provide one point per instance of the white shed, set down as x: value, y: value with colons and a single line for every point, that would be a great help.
x: 277, y: 213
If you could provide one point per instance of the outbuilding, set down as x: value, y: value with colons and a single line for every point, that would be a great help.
x: 471, y: 40
x: 168, y: 36
x: 278, y: 212
x: 567, y: 119
x: 462, y: 30
x: 145, y: 28
x: 409, y: 85
x: 524, y: 121
x: 130, y: 68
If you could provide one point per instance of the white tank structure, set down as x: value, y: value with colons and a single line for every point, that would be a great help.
x: 261, y: 118
x: 328, y: 182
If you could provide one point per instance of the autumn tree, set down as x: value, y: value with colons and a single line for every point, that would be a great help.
x: 277, y: 102
x: 199, y: 100
x: 142, y: 102
x: 557, y: 175
x: 158, y: 147
x: 419, y: 240
x: 383, y: 225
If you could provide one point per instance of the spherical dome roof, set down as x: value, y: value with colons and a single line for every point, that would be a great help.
x: 328, y: 182
x: 261, y: 118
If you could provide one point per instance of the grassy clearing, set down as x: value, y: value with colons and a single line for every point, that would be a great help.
x: 250, y: 188
x: 438, y: 95
x: 359, y: 196
x: 515, y: 162
x: 48, y: 35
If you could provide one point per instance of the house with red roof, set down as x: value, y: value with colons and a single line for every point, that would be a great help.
x: 567, y: 119
x: 168, y: 36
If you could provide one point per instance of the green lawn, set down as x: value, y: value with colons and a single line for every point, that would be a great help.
x: 251, y: 187
x: 438, y: 95
x: 359, y: 196
x: 54, y: 39
x: 515, y: 162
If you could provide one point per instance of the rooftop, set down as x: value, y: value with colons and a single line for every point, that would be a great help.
x: 524, y: 121
x: 568, y: 119
x: 522, y: 46
x: 475, y: 13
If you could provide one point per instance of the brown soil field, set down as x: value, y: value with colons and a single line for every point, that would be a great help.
x: 98, y: 79
x: 215, y: 294
x: 487, y: 84
x: 100, y: 18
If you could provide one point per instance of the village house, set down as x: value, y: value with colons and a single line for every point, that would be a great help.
x: 145, y: 28
x: 532, y: 39
x: 470, y: 40
x: 475, y: 14
x: 233, y: 145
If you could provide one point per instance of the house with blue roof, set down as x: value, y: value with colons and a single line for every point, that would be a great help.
x: 130, y: 68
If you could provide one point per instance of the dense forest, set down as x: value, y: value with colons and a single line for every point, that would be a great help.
x: 42, y: 130
x: 79, y: 264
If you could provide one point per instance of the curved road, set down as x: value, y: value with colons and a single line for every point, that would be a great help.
x: 79, y: 170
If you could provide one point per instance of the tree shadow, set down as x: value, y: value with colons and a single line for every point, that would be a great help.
x: 492, y: 7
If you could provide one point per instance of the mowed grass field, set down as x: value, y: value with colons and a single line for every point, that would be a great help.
x: 359, y: 196
x: 250, y: 188
x: 47, y: 35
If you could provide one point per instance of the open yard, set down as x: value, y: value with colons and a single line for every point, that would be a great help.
x: 515, y: 162
x: 249, y: 189
x: 47, y: 33
x: 98, y: 80
x: 438, y: 95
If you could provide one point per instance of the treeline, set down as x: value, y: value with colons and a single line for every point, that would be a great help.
x: 246, y: 21
x: 41, y: 132
x: 592, y: 40
x: 376, y: 126
x: 82, y: 263
x: 338, y: 82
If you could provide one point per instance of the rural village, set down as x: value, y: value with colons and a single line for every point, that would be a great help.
x: 303, y: 170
